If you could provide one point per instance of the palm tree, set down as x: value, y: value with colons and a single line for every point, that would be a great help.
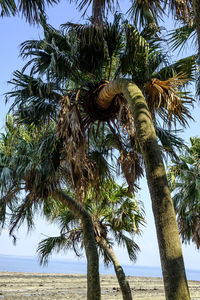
x: 184, y: 178
x: 30, y: 166
x: 114, y: 211
x: 149, y: 11
x: 30, y: 9
x: 153, y: 97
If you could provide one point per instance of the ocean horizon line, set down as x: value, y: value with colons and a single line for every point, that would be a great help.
x: 58, y: 265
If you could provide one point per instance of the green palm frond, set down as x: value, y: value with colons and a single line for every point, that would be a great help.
x: 24, y: 212
x: 145, y: 12
x: 8, y: 8
x: 34, y: 99
x: 30, y: 9
x: 135, y: 57
x: 131, y: 246
x: 90, y: 44
x: 184, y: 181
x: 186, y: 66
x: 48, y: 245
x: 180, y: 36
x: 170, y: 141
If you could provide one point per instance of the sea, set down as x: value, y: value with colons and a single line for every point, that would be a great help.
x: 28, y: 264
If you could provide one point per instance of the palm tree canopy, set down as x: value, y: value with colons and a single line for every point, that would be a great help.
x: 116, y: 217
x: 184, y: 180
x: 27, y: 158
x: 115, y: 50
x: 30, y: 9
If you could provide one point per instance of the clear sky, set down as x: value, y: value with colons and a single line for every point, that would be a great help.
x: 14, y: 31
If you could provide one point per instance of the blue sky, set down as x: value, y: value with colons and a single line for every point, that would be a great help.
x: 14, y: 31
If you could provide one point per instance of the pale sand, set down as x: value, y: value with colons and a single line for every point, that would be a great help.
x: 18, y: 286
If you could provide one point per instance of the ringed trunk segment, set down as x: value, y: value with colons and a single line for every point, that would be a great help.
x: 123, y: 283
x: 175, y: 282
x: 93, y: 279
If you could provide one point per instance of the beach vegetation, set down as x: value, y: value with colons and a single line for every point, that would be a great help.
x: 120, y: 76
x: 116, y: 217
x: 184, y: 180
x: 31, y: 174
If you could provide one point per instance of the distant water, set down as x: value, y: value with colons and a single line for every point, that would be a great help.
x: 31, y: 264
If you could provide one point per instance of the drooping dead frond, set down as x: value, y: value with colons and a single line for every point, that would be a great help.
x: 164, y: 97
x: 131, y: 167
x: 125, y: 118
x: 196, y: 230
x: 71, y: 129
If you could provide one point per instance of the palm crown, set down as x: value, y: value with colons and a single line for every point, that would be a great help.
x: 116, y: 216
x: 115, y: 50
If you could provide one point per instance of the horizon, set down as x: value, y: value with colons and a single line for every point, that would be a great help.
x: 26, y: 244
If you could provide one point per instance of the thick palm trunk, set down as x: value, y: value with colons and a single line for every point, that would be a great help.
x: 93, y: 280
x: 123, y: 283
x: 174, y: 276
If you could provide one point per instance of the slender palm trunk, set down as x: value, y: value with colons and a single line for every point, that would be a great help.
x: 93, y: 280
x: 176, y: 287
x: 123, y: 283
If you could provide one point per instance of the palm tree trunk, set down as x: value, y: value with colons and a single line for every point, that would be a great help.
x: 123, y: 283
x: 176, y: 287
x: 98, y: 11
x: 93, y: 280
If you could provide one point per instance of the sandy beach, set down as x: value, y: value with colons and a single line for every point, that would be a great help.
x: 30, y: 286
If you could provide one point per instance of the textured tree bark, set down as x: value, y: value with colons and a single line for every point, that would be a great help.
x: 98, y: 11
x: 93, y: 280
x: 175, y: 282
x: 123, y: 283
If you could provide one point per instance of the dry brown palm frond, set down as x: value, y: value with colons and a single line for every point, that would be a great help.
x: 196, y: 231
x: 71, y: 129
x: 131, y: 167
x: 125, y: 118
x: 182, y: 9
x: 164, y: 97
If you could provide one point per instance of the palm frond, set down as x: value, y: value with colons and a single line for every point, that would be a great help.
x: 170, y: 142
x: 145, y: 12
x: 185, y: 66
x: 164, y: 97
x: 48, y: 245
x: 34, y: 100
x: 180, y: 36
x: 30, y: 9
x: 135, y: 55
x: 181, y: 9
